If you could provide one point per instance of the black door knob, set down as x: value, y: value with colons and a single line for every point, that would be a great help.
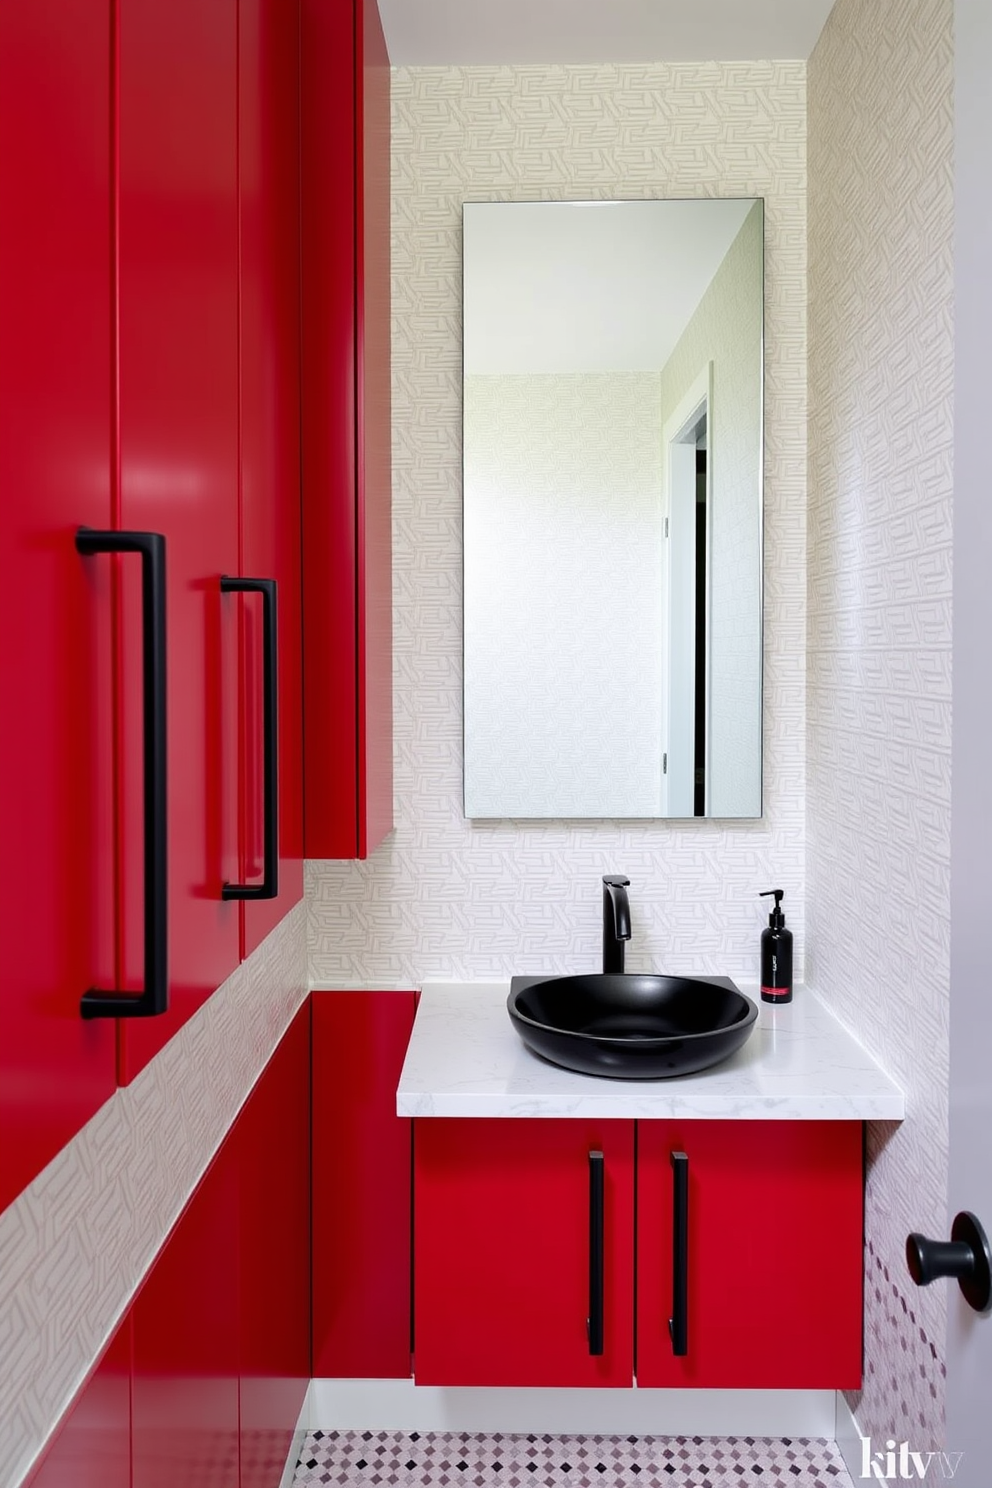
x: 965, y: 1256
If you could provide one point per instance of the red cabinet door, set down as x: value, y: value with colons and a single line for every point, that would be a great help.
x: 273, y: 1146
x: 184, y: 1407
x: 774, y: 1254
x: 504, y: 1253
x: 178, y: 337
x: 347, y: 580
x: 361, y: 1186
x: 56, y: 782
x: 92, y: 1447
x: 269, y: 206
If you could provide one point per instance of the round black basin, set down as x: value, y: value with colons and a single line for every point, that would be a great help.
x: 630, y: 1026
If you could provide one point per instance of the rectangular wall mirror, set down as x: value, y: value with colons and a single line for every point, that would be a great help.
x: 612, y: 508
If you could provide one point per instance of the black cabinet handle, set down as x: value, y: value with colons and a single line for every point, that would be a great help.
x: 155, y: 997
x: 678, y: 1323
x: 269, y: 887
x: 594, y: 1323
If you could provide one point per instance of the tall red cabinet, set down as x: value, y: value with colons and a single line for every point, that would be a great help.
x: 347, y: 554
x: 57, y: 880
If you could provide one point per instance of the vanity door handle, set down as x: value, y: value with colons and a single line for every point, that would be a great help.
x: 597, y: 1220
x: 269, y: 887
x: 678, y: 1323
x: 154, y: 999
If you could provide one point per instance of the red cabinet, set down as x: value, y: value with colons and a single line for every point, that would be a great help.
x: 269, y: 209
x: 347, y: 579
x: 506, y: 1267
x: 92, y: 1447
x: 184, y: 1391
x: 771, y: 1267
x: 177, y: 284
x: 273, y: 1148
x: 361, y: 1186
x: 56, y: 742
x: 773, y: 1259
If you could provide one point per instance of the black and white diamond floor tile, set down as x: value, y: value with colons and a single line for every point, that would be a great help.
x: 395, y: 1459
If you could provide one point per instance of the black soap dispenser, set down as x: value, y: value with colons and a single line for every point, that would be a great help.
x: 776, y: 954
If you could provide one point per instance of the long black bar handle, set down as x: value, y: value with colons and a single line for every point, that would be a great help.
x: 678, y: 1323
x: 597, y: 1217
x: 154, y: 999
x: 269, y: 887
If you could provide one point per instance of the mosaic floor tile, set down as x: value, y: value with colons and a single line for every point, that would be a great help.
x: 395, y: 1459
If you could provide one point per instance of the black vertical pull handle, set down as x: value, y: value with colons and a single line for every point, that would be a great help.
x: 269, y: 887
x: 678, y: 1323
x: 154, y: 999
x: 597, y: 1219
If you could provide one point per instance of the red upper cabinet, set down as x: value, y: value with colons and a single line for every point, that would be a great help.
x: 56, y: 743
x: 178, y: 451
x: 347, y: 595
x: 269, y: 209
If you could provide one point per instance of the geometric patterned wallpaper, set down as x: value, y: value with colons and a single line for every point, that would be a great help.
x: 879, y: 658
x: 76, y: 1244
x: 447, y: 897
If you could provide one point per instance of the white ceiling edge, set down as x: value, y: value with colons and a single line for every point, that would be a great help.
x: 468, y: 33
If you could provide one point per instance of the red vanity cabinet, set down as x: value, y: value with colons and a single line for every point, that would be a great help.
x: 347, y: 555
x: 56, y: 743
x: 772, y: 1263
x: 503, y: 1253
x: 773, y: 1254
x: 92, y: 1446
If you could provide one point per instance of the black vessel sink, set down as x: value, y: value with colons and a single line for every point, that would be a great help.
x: 631, y: 1026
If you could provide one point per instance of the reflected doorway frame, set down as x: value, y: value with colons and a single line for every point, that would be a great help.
x: 679, y: 507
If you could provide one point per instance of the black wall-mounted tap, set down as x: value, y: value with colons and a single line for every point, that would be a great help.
x: 616, y: 921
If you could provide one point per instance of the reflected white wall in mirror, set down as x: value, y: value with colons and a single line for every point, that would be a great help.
x: 612, y: 508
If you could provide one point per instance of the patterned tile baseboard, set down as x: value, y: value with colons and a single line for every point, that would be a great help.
x: 359, y: 1459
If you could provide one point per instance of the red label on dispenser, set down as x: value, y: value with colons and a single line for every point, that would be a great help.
x: 777, y: 994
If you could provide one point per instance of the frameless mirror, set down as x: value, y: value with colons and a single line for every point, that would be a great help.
x: 612, y: 508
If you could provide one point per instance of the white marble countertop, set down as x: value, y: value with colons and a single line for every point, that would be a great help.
x: 465, y: 1059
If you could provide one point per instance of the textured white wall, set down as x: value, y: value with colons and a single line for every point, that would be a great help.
x: 448, y: 897
x: 564, y: 583
x: 76, y: 1243
x: 879, y: 674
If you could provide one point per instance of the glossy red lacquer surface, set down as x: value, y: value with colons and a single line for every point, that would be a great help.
x: 186, y: 1326
x: 775, y: 1254
x: 374, y: 464
x: 92, y: 1446
x: 56, y: 763
x: 273, y: 1142
x: 269, y: 200
x: 178, y: 297
x: 501, y: 1248
x: 361, y: 1186
x: 346, y: 430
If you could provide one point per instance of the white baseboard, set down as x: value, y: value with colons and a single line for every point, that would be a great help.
x: 299, y: 1437
x: 848, y: 1437
x: 400, y: 1405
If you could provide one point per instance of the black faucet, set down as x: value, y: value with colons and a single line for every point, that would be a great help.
x: 616, y: 921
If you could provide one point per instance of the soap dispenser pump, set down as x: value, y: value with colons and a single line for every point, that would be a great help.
x: 776, y: 954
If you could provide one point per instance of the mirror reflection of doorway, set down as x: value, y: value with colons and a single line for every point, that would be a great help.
x: 688, y: 460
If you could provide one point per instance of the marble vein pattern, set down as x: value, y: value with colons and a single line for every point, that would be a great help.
x: 800, y: 1064
x: 445, y: 897
x: 448, y: 1459
x: 881, y: 358
x: 76, y: 1244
